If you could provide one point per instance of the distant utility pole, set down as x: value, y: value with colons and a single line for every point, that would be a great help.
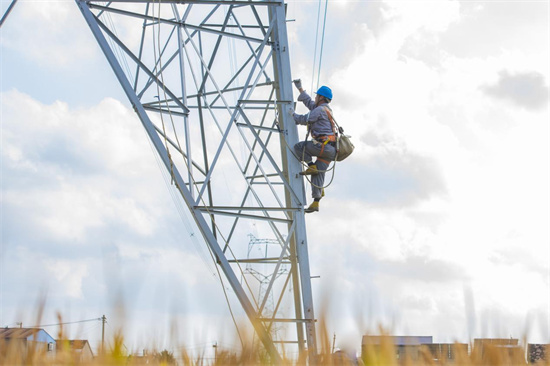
x: 103, y: 321
x: 215, y: 346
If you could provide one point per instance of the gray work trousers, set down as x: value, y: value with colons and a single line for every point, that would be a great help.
x: 314, y: 149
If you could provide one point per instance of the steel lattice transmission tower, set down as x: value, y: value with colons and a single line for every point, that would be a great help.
x: 262, y: 249
x: 211, y: 83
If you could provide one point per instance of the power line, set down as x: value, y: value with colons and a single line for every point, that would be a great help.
x: 322, y: 43
x: 75, y: 322
x: 316, y: 42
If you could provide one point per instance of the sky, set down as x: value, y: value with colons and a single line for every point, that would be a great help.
x: 436, y: 225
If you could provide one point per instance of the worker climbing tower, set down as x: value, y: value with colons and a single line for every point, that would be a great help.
x: 210, y: 81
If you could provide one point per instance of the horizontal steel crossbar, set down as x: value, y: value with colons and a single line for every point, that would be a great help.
x: 175, y: 23
x: 242, y: 208
x: 256, y: 127
x: 260, y: 260
x: 207, y: 2
x: 281, y: 320
x: 251, y: 217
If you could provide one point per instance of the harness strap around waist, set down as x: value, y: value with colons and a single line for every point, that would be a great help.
x: 327, y: 139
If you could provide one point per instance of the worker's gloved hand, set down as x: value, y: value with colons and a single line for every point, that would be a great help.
x: 297, y: 83
x: 291, y: 111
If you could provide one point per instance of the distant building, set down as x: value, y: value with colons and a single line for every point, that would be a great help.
x: 411, y: 347
x: 498, y: 350
x: 397, y: 340
x: 403, y: 346
x: 447, y: 351
x: 19, y: 341
x: 79, y: 347
x: 537, y: 352
x: 479, y: 343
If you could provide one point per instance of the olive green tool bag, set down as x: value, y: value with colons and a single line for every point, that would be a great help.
x: 344, y: 146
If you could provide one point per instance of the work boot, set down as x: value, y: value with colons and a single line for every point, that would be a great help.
x: 314, y: 207
x: 322, y: 192
x: 311, y: 170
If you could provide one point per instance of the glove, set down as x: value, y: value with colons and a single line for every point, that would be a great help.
x: 297, y: 83
x: 290, y: 111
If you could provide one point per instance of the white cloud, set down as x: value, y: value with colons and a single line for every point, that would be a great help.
x: 69, y: 276
x: 57, y: 170
x: 527, y: 90
x: 51, y: 33
x: 491, y: 159
x: 409, y: 17
x: 81, y: 191
x: 469, y: 172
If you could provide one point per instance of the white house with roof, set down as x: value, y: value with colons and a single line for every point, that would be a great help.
x: 18, y: 341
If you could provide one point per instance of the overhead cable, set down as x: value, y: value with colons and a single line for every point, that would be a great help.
x: 322, y: 43
x: 75, y: 322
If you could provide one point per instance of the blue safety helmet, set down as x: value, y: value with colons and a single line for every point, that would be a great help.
x: 325, y: 92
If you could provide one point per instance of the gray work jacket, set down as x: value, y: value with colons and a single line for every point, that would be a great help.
x: 317, y: 118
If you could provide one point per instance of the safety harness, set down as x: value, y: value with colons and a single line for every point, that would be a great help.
x: 325, y: 139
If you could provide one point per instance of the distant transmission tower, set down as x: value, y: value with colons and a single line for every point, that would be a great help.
x: 260, y: 256
x: 211, y: 84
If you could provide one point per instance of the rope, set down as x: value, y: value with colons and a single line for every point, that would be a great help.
x: 159, y: 66
x: 181, y: 212
x: 188, y: 167
x: 187, y: 163
x: 316, y: 41
x: 312, y: 82
x: 304, y: 165
x: 322, y: 43
x: 333, y: 169
x: 209, y: 212
x: 228, y: 303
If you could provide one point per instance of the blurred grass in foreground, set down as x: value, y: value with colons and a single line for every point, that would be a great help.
x: 383, y: 353
x: 382, y: 356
